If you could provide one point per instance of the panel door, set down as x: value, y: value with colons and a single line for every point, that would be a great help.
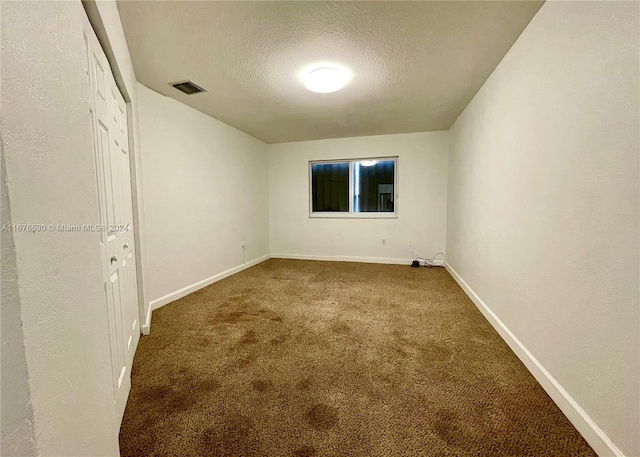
x: 108, y: 116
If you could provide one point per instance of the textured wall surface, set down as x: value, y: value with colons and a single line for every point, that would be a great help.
x: 415, y: 65
x: 50, y: 179
x: 16, y: 414
x: 543, y: 203
x: 422, y: 187
x: 205, y: 191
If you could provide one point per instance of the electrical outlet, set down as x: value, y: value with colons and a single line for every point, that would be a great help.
x: 384, y: 241
x: 243, y: 246
x: 410, y: 244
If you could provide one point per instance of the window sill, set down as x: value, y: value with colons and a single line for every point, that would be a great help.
x: 338, y: 215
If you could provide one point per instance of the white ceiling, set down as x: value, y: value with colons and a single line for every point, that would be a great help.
x: 415, y: 65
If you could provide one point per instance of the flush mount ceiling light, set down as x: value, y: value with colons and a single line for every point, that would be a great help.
x: 368, y: 163
x: 326, y: 79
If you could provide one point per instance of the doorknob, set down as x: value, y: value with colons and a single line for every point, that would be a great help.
x: 126, y: 246
x: 114, y: 258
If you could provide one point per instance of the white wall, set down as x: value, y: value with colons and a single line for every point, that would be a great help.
x: 422, y: 188
x: 50, y: 180
x: 205, y: 191
x: 16, y: 414
x: 543, y: 221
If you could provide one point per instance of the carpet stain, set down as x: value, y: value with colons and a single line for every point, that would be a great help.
x: 238, y: 438
x: 232, y: 317
x: 207, y: 385
x: 167, y: 397
x: 249, y: 337
x: 278, y: 340
x: 433, y: 353
x: 262, y: 385
x: 304, y: 384
x: 322, y: 417
x: 340, y: 329
x: 446, y: 426
x: 401, y: 352
x: 245, y: 362
x: 304, y: 451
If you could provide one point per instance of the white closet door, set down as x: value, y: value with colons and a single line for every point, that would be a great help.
x: 108, y: 113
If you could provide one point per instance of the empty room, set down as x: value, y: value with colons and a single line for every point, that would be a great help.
x: 320, y: 228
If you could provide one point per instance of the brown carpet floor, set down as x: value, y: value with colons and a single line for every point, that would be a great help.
x: 297, y: 358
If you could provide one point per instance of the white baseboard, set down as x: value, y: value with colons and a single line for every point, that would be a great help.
x: 173, y: 296
x: 339, y: 258
x: 596, y: 438
x: 145, y: 328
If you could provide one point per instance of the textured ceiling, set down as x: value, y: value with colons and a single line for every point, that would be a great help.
x: 415, y: 65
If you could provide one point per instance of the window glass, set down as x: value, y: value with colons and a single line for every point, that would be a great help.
x: 330, y: 187
x: 373, y: 186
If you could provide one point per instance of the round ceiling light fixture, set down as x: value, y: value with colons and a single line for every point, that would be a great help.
x: 326, y: 79
x: 368, y: 163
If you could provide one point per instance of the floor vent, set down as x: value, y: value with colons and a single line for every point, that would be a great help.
x: 188, y: 87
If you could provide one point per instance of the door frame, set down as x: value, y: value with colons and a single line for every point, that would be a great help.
x: 105, y: 21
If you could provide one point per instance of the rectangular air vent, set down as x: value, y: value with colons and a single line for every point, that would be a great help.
x: 188, y: 87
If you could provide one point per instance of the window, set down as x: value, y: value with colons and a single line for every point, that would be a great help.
x: 354, y: 188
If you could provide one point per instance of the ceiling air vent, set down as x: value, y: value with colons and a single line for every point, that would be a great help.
x: 188, y: 87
